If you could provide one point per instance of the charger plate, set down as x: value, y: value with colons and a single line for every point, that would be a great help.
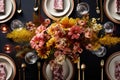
x: 110, y: 65
x: 9, y: 65
x: 110, y: 11
x: 10, y: 8
x: 48, y: 9
x: 68, y: 70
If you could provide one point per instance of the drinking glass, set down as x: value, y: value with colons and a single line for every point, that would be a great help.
x: 16, y: 24
x: 100, y: 52
x: 109, y: 27
x: 82, y: 9
x: 31, y: 57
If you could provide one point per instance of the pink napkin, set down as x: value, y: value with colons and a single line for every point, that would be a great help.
x: 117, y: 70
x: 2, y: 72
x: 58, y: 4
x: 118, y: 6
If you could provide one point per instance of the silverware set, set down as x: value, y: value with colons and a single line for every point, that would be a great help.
x: 83, y: 67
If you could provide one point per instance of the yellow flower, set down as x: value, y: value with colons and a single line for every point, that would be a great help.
x: 50, y: 42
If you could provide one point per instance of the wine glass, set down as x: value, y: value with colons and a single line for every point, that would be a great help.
x: 109, y: 27
x: 31, y: 57
x: 16, y: 24
x: 100, y: 52
x: 82, y: 9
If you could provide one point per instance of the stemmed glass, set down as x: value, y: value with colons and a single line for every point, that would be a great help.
x: 82, y: 9
x: 100, y: 52
x: 109, y: 27
x: 31, y: 57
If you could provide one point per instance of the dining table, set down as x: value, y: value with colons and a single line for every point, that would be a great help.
x: 92, y: 62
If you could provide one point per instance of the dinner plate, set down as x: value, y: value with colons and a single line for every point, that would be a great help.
x: 10, y: 8
x: 49, y: 5
x: 55, y: 15
x: 111, y: 63
x: 8, y: 68
x: 68, y: 70
x: 110, y: 11
x: 10, y: 65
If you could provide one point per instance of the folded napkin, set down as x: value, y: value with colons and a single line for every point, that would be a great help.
x: 2, y: 72
x: 117, y: 70
x: 118, y: 6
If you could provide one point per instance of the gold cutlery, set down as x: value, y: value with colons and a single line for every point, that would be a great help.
x: 102, y: 65
x: 23, y: 66
x: 83, y: 66
x: 101, y: 11
x: 19, y: 10
x: 35, y: 8
x: 38, y: 65
x: 97, y: 7
x: 78, y: 66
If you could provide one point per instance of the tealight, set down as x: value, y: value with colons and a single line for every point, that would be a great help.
x: 4, y: 28
x: 7, y: 48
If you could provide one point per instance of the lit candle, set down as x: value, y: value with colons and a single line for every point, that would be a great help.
x: 4, y: 28
x: 7, y: 48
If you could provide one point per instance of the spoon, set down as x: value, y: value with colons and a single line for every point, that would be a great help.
x: 83, y: 66
x: 38, y: 65
x: 36, y: 6
x: 102, y: 64
x: 23, y: 66
x: 19, y: 10
x: 97, y: 8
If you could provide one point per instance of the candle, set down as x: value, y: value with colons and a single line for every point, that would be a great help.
x: 7, y: 48
x: 4, y: 28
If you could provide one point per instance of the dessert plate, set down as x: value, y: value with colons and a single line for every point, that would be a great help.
x: 49, y: 5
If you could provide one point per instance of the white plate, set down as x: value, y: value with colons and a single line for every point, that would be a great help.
x: 7, y: 67
x: 11, y: 68
x: 10, y: 8
x: 67, y: 70
x: 47, y: 12
x: 110, y: 10
x: 110, y: 65
x: 49, y: 5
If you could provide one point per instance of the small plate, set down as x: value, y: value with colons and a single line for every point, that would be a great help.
x: 68, y: 70
x: 110, y: 11
x: 49, y: 5
x: 10, y: 8
x: 9, y: 62
x: 110, y: 65
x: 52, y: 16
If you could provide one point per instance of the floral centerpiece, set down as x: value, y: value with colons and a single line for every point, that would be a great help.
x: 67, y: 37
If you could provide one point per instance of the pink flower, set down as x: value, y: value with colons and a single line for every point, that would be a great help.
x: 37, y: 41
x: 75, y: 32
x: 88, y: 33
x: 81, y: 22
x: 76, y: 48
x: 89, y: 47
x: 40, y: 29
